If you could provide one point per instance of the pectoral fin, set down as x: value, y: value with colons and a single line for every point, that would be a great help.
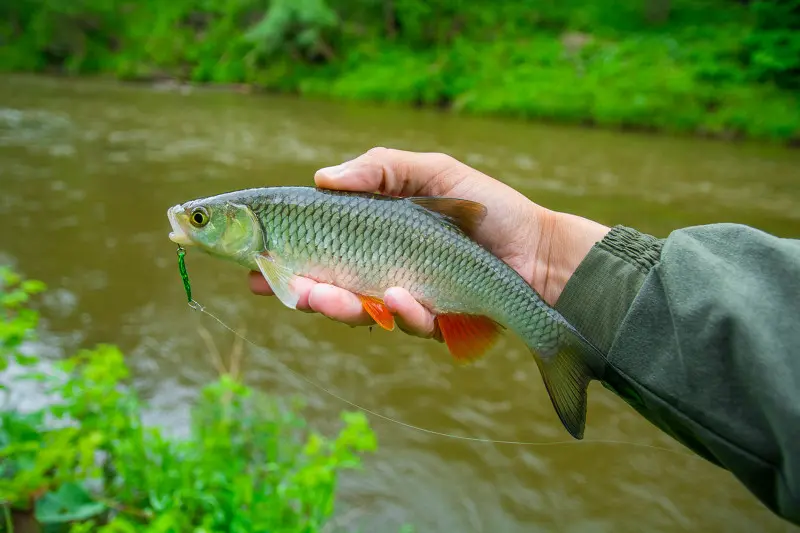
x: 280, y: 279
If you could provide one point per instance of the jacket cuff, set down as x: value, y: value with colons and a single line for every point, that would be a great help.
x: 598, y: 295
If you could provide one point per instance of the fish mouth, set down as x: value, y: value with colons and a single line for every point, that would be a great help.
x: 178, y: 234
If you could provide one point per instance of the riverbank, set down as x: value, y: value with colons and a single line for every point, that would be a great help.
x: 718, y: 68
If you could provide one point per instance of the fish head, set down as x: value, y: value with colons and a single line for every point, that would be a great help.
x: 217, y: 226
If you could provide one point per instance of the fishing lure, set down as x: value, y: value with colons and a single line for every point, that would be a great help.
x: 184, y: 275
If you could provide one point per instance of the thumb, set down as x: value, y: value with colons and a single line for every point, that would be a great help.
x: 392, y: 172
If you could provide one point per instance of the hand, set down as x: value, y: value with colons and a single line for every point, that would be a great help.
x: 544, y: 246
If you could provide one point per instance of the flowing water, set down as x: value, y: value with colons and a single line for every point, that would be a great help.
x: 88, y: 169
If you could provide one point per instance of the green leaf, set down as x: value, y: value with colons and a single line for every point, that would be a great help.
x: 26, y: 360
x: 32, y: 286
x: 69, y: 503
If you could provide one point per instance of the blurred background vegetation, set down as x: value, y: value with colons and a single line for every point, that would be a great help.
x: 725, y: 68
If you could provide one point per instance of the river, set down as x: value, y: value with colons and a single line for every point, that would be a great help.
x: 88, y: 169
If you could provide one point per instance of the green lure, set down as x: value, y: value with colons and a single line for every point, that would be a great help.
x: 184, y: 275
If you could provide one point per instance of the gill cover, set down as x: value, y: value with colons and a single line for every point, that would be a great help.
x: 223, y: 229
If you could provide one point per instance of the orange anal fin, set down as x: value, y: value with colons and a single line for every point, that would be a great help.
x: 468, y: 337
x: 378, y: 311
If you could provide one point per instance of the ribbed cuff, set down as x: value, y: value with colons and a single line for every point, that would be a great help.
x: 600, y: 292
x: 639, y: 249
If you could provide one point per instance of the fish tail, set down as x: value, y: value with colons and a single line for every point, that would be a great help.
x: 566, y: 375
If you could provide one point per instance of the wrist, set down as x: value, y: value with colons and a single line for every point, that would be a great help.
x: 564, y: 242
x: 602, y: 289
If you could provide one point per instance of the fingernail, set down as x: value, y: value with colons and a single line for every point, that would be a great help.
x: 317, y: 291
x: 334, y: 172
x: 390, y: 300
x: 321, y: 290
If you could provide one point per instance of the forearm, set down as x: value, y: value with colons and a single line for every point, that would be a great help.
x: 700, y: 334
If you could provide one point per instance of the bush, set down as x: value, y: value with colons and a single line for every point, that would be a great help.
x: 87, y: 463
x: 772, y: 50
x: 677, y: 65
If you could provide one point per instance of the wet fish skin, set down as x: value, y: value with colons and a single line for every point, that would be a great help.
x: 366, y: 243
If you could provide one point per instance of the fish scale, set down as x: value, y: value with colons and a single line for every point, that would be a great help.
x: 367, y: 243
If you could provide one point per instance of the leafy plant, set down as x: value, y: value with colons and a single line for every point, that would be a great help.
x: 773, y: 47
x: 17, y: 320
x: 296, y: 26
x: 86, y: 462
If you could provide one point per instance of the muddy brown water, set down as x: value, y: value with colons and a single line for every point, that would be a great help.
x: 88, y: 169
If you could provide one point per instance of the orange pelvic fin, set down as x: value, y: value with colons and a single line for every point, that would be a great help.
x: 378, y: 311
x: 468, y: 337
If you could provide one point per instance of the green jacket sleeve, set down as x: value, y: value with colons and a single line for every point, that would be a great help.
x: 701, y: 335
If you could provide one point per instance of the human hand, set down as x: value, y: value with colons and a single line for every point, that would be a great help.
x: 543, y: 246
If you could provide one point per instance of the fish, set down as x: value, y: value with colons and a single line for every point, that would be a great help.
x: 368, y: 242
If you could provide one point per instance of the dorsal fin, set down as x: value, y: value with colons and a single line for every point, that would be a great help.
x: 465, y: 214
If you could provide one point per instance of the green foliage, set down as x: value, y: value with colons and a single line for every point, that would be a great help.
x: 773, y: 47
x: 17, y: 320
x: 718, y: 67
x: 69, y: 503
x: 293, y: 25
x: 87, y: 463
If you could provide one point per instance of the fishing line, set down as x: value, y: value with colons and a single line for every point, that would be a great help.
x: 197, y: 306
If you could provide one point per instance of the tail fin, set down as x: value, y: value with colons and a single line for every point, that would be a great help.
x: 566, y: 378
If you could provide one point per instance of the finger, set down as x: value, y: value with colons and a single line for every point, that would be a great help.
x: 258, y: 284
x: 338, y: 304
x: 410, y: 315
x: 392, y: 172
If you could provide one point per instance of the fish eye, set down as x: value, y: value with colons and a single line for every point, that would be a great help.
x: 199, y: 217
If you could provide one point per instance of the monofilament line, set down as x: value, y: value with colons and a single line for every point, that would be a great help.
x: 198, y: 307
